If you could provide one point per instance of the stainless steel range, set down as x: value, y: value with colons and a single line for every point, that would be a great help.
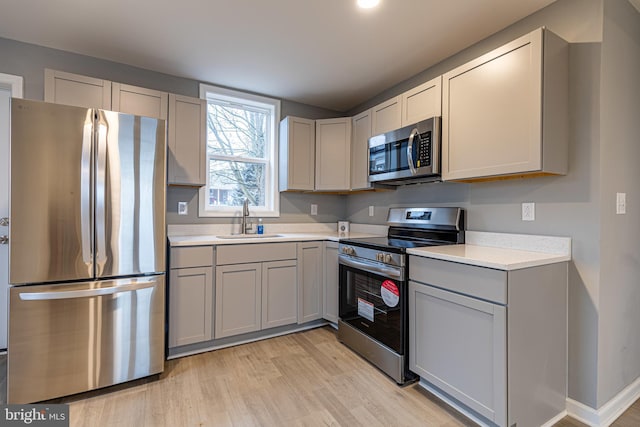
x: 373, y: 284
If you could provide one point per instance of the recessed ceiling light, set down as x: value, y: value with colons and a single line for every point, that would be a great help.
x: 368, y: 4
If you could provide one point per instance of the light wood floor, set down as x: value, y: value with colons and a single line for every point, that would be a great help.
x: 303, y: 379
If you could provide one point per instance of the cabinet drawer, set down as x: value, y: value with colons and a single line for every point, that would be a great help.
x: 191, y: 256
x: 258, y: 252
x: 479, y: 282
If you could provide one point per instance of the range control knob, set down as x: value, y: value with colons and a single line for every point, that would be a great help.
x: 388, y: 258
x: 348, y: 250
x: 380, y: 257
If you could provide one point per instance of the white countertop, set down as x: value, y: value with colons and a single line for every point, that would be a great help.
x: 502, y: 251
x: 201, y: 240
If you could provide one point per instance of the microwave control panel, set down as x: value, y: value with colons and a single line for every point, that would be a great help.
x: 423, y: 156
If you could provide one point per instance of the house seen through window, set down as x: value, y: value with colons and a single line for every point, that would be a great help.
x: 241, y: 153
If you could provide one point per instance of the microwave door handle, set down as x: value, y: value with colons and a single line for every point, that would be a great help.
x: 413, y: 134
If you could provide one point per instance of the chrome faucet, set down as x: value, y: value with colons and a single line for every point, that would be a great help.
x: 245, y: 215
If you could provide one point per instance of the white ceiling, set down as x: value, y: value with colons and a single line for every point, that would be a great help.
x: 326, y: 53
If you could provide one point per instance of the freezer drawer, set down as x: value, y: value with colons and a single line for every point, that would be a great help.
x: 71, y: 338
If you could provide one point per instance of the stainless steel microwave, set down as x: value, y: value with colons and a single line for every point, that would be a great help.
x: 407, y: 155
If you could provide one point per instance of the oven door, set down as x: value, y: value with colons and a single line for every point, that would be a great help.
x: 373, y: 300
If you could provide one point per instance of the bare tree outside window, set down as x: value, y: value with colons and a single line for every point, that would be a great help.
x: 241, y: 153
x: 236, y: 148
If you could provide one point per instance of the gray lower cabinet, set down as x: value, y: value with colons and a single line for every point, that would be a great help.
x: 256, y: 288
x: 495, y: 341
x: 238, y: 299
x: 190, y: 295
x: 331, y: 277
x: 279, y: 293
x: 310, y: 285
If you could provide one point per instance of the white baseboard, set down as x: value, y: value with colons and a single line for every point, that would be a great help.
x: 555, y: 419
x: 608, y: 412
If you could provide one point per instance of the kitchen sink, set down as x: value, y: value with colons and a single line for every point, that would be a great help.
x: 247, y: 236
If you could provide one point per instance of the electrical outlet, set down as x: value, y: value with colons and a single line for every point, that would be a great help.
x: 621, y: 203
x: 183, y: 208
x: 529, y: 211
x: 370, y: 210
x: 314, y: 209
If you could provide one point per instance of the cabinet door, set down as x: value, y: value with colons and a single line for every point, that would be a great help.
x: 309, y: 281
x: 238, y: 299
x: 386, y: 116
x: 422, y: 102
x: 360, y: 151
x: 74, y: 89
x: 139, y: 101
x: 190, y: 305
x: 187, y: 140
x: 333, y: 154
x: 297, y: 154
x: 491, y: 121
x: 458, y: 344
x: 279, y: 293
x: 331, y: 276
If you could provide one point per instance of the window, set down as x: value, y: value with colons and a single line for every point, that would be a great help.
x: 242, y: 150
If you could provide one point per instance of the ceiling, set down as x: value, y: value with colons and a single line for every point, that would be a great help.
x: 326, y: 53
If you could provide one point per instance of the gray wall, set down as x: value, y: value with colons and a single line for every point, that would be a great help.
x: 29, y: 61
x: 565, y: 206
x: 619, y: 328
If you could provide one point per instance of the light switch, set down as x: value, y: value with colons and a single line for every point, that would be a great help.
x: 370, y: 210
x: 183, y: 208
x: 314, y: 209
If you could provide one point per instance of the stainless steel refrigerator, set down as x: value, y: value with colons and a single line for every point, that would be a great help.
x: 86, y: 249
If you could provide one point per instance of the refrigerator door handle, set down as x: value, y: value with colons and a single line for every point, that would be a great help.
x: 85, y: 194
x: 86, y: 293
x: 101, y: 176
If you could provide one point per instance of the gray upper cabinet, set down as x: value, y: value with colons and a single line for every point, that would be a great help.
x: 361, y: 128
x: 297, y: 154
x: 422, y: 102
x: 386, y: 116
x: 506, y: 112
x: 333, y: 154
x: 139, y: 101
x: 73, y: 89
x: 187, y: 141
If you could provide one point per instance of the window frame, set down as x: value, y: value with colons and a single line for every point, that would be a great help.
x: 272, y: 194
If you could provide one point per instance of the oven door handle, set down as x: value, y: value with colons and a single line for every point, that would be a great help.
x: 389, y: 272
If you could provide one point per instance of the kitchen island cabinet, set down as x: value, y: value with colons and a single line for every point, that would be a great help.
x: 190, y: 295
x: 491, y: 342
x: 506, y: 112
